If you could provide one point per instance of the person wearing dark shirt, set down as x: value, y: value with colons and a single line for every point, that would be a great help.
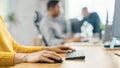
x: 93, y: 19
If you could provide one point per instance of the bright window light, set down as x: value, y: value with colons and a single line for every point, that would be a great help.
x: 74, y: 8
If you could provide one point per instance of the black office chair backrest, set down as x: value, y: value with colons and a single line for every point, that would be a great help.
x: 76, y: 25
x: 37, y: 19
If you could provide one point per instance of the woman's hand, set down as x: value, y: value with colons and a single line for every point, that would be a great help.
x: 59, y: 49
x: 37, y: 57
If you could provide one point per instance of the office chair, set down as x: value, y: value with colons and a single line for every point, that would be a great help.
x: 37, y: 19
x: 76, y: 25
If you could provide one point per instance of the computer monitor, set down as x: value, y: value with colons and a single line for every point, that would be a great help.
x: 116, y: 21
x: 115, y: 27
x: 108, y: 33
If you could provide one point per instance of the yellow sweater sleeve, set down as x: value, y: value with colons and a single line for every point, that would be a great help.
x: 24, y: 49
x: 7, y: 58
x: 9, y: 47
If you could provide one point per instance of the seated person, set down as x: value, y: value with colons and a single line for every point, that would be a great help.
x: 13, y: 53
x: 93, y: 19
x: 51, y: 29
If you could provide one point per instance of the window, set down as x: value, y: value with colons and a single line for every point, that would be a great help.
x: 74, y: 8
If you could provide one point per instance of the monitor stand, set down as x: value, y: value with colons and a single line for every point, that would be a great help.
x: 113, y: 44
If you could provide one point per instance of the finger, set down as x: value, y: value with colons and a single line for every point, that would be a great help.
x: 69, y: 48
x: 66, y: 48
x: 54, y: 53
x: 52, y: 56
x: 47, y: 60
x: 62, y: 51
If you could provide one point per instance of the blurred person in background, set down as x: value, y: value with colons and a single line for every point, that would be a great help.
x: 51, y: 29
x: 93, y: 19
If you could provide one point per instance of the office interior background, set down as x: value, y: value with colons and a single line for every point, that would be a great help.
x: 19, y: 14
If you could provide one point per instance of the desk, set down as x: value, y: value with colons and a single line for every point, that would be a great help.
x: 96, y: 57
x: 115, y: 57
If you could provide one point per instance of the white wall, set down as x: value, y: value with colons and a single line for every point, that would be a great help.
x: 24, y: 30
x: 3, y: 8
